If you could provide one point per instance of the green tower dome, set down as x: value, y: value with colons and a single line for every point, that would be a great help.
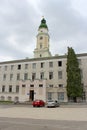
x: 43, y: 24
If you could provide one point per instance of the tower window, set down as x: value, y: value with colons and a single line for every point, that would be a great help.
x: 41, y: 38
x: 40, y: 45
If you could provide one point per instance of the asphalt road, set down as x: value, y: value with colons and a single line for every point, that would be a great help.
x: 37, y: 124
x: 24, y: 117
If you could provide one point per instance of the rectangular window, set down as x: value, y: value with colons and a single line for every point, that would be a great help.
x: 40, y: 85
x: 50, y: 64
x: 3, y: 88
x: 59, y: 63
x: 11, y: 77
x: 60, y: 96
x: 60, y: 85
x: 19, y: 67
x: 33, y: 76
x: 34, y: 65
x: 26, y: 66
x: 17, y: 89
x: 10, y: 88
x: 42, y: 75
x: 49, y: 95
x: 50, y: 75
x: 23, y: 85
x: 42, y: 65
x: 59, y: 74
x: 51, y: 85
x: 26, y: 76
x: 18, y: 76
x: 4, y: 77
x: 12, y: 67
x: 6, y: 68
x: 40, y: 45
x: 31, y: 85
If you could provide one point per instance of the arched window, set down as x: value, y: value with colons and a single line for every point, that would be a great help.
x: 9, y: 98
x: 40, y: 45
x: 16, y: 99
x: 2, y: 98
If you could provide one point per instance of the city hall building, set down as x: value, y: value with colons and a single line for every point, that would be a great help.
x: 42, y: 77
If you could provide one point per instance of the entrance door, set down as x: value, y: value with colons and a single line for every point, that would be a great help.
x: 31, y: 95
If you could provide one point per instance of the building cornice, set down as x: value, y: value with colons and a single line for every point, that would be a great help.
x: 41, y: 59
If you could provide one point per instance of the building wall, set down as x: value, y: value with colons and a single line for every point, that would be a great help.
x: 54, y: 87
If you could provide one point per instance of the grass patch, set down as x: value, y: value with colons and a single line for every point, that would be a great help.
x: 6, y: 102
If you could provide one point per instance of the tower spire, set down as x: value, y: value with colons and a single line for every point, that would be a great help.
x: 43, y: 23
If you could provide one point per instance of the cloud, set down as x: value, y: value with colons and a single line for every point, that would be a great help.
x: 67, y: 26
x: 20, y: 19
x: 16, y: 28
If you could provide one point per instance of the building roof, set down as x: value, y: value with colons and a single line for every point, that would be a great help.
x: 43, y: 24
x: 40, y: 59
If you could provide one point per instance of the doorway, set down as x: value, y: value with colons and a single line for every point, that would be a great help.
x: 31, y: 95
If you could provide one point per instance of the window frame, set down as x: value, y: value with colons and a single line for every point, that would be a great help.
x: 59, y: 63
x: 50, y: 75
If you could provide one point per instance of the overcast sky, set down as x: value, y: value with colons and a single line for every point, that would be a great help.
x: 20, y: 19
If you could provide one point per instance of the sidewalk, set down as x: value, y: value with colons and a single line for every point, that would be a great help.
x: 76, y: 114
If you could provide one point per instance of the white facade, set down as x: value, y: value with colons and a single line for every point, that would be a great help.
x: 43, y: 78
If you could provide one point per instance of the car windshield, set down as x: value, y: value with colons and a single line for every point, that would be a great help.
x: 51, y: 101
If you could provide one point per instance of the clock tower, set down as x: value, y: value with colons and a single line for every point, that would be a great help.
x: 42, y: 45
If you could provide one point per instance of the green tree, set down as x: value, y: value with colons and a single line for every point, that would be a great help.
x: 74, y: 87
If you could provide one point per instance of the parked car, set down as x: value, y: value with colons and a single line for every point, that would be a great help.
x: 53, y: 103
x: 38, y: 103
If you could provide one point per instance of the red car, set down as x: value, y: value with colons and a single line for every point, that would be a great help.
x: 38, y: 103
